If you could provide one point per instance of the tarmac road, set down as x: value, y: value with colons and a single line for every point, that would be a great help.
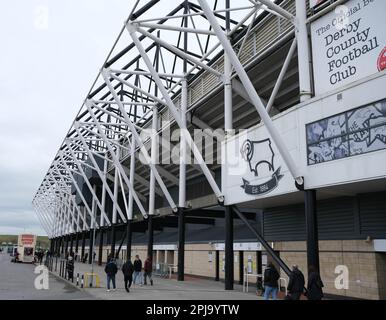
x: 17, y: 283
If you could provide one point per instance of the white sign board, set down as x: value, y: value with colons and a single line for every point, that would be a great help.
x: 348, y: 44
x: 240, y: 246
x: 332, y: 143
x: 253, y: 167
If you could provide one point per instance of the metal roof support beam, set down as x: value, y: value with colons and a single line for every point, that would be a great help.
x: 68, y: 206
x: 173, y: 28
x: 304, y: 60
x: 83, y: 174
x: 132, y: 28
x: 76, y: 186
x: 47, y: 227
x: 283, y: 71
x: 116, y: 159
x: 131, y: 178
x: 274, y: 7
x: 99, y: 172
x: 175, y: 113
x: 146, y: 73
x: 154, y: 156
x: 45, y: 215
x: 183, y: 147
x: 276, y: 137
x: 139, y: 141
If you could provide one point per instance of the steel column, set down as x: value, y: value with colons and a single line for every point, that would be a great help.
x: 112, y: 249
x: 76, y: 242
x: 303, y: 51
x: 229, y: 258
x: 83, y: 244
x: 259, y: 268
x: 217, y: 276
x: 100, y: 253
x: 129, y: 238
x: 71, y: 243
x: 150, y: 230
x: 91, y: 246
x: 181, y: 244
x: 154, y: 155
x: 312, y: 229
x: 241, y: 267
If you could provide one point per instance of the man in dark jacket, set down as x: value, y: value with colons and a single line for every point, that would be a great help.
x: 111, y: 270
x: 148, y: 269
x: 271, y: 276
x: 70, y: 268
x: 137, y: 270
x: 296, y: 284
x: 314, y: 285
x: 127, y: 270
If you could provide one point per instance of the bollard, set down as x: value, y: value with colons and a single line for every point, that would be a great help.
x: 65, y: 269
x: 82, y: 281
x: 77, y: 279
x: 60, y: 269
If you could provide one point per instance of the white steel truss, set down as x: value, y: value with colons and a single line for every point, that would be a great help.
x: 156, y: 78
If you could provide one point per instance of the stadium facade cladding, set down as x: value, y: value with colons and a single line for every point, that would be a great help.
x: 227, y: 134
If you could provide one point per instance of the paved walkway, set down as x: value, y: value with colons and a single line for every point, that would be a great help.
x: 163, y: 289
x: 17, y: 283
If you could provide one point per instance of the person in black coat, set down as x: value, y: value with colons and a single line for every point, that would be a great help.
x: 127, y: 270
x: 296, y: 284
x: 271, y: 276
x: 314, y: 285
x: 111, y: 270
x: 70, y: 268
x: 137, y: 270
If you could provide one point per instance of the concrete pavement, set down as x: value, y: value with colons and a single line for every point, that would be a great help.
x: 17, y: 283
x: 163, y: 289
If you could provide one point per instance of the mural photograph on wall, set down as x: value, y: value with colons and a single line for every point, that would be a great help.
x: 351, y: 133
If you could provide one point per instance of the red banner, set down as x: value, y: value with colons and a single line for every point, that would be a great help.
x: 27, y: 239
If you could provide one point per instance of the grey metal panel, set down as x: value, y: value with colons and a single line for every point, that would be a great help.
x: 373, y: 215
x: 336, y: 220
x: 284, y: 223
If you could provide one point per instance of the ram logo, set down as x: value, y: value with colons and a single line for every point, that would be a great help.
x: 254, y: 158
x: 260, y: 157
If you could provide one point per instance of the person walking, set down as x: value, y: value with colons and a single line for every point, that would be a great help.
x: 296, y: 284
x: 148, y: 269
x: 111, y: 270
x: 271, y: 277
x: 314, y: 285
x: 70, y: 268
x: 127, y: 270
x: 137, y: 270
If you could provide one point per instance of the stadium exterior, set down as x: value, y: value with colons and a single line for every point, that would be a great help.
x: 225, y: 135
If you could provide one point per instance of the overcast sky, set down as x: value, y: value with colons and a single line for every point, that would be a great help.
x: 50, y: 53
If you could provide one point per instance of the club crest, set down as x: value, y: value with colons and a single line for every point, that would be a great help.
x: 260, y: 157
